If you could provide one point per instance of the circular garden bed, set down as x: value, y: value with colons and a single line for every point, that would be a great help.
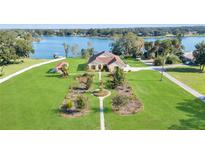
x: 100, y: 93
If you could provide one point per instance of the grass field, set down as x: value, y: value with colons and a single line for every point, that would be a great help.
x: 12, y: 68
x: 31, y: 100
x: 133, y: 62
x: 166, y: 106
x: 191, y: 76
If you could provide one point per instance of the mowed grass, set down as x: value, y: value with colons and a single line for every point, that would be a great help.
x: 31, y: 100
x: 12, y: 68
x: 134, y: 62
x: 191, y: 76
x: 166, y: 106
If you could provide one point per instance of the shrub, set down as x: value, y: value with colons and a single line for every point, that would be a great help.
x: 81, y: 102
x: 173, y: 59
x: 69, y: 104
x: 119, y: 101
x: 118, y: 77
x: 86, y: 79
x: 158, y: 61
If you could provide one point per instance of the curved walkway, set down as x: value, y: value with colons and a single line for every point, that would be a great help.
x: 29, y: 68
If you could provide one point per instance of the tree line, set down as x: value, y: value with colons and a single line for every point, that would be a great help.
x: 110, y: 32
x: 14, y: 45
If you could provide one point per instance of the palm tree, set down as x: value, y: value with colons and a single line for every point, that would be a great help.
x: 199, y: 55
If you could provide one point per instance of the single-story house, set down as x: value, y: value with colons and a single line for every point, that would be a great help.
x: 105, y: 60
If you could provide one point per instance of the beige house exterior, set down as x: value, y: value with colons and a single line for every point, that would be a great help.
x: 105, y: 60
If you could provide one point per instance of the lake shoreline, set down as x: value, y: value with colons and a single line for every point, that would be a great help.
x: 50, y: 45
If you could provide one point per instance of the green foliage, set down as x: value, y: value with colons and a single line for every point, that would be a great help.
x: 119, y: 100
x: 14, y: 45
x: 128, y: 44
x: 164, y: 47
x: 69, y: 104
x: 172, y: 59
x: 199, y: 55
x: 86, y: 53
x: 85, y: 79
x: 118, y: 78
x: 158, y: 61
x: 89, y: 82
x: 81, y: 102
x: 113, y: 32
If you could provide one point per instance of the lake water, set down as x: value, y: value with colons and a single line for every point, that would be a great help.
x: 53, y: 44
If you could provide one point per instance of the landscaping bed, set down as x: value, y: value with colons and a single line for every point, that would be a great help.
x: 75, y: 104
x: 125, y: 102
x: 100, y: 93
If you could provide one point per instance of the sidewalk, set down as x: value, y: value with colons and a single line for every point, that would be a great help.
x: 185, y: 87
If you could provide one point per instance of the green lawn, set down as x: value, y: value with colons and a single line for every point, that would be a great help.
x: 166, y: 106
x: 191, y: 76
x: 134, y: 62
x: 12, y: 68
x: 31, y: 100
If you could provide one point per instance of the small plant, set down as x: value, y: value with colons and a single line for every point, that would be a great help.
x: 81, y: 102
x: 173, y: 59
x: 158, y: 61
x: 119, y: 101
x: 69, y: 104
x: 86, y: 80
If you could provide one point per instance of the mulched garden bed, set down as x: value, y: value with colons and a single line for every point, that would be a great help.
x: 73, y: 112
x: 100, y: 93
x: 132, y: 105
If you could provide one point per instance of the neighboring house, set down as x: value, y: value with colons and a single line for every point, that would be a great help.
x: 105, y: 60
